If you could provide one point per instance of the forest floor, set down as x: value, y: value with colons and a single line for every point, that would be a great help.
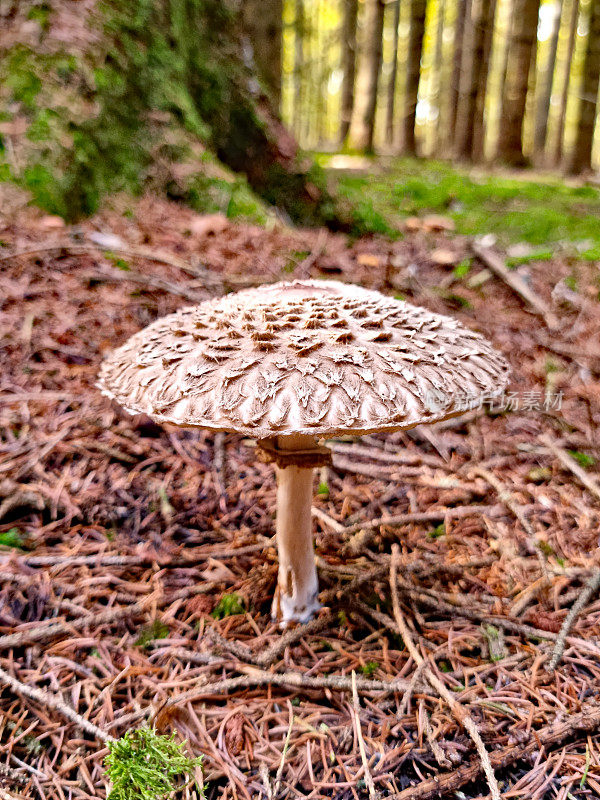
x: 539, y: 209
x: 137, y: 561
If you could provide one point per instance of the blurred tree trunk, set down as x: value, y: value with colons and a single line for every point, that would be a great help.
x: 588, y: 99
x: 474, y: 76
x: 438, y: 66
x: 299, y: 31
x: 564, y: 95
x: 348, y: 67
x: 391, y: 89
x: 545, y: 92
x: 508, y: 36
x: 308, y: 81
x: 375, y: 46
x: 262, y: 22
x: 520, y: 57
x: 479, y: 120
x: 462, y: 11
x: 319, y: 86
x: 418, y: 9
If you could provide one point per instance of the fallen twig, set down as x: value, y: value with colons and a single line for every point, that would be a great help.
x: 460, y: 713
x: 363, y: 532
x: 56, y: 703
x: 254, y: 676
x: 516, y: 283
x: 43, y: 633
x: 145, y: 280
x: 361, y: 741
x: 572, y: 465
x: 590, y: 588
x: 286, y: 745
x: 587, y: 720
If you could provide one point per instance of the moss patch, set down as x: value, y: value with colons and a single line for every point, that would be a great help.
x: 515, y: 209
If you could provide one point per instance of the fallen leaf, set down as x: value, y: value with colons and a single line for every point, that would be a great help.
x: 107, y: 241
x: 14, y: 127
x: 412, y: 224
x: 398, y: 261
x: 479, y: 279
x: 52, y: 222
x: 438, y: 223
x: 207, y: 224
x: 368, y: 260
x: 544, y: 621
x: 234, y: 734
x: 520, y: 250
x: 444, y: 257
x: 199, y: 605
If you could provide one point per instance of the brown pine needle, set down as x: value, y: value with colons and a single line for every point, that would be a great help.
x: 361, y: 741
x: 49, y: 700
x: 459, y: 712
x: 588, y: 591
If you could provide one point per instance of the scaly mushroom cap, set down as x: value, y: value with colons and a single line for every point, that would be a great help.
x: 313, y: 357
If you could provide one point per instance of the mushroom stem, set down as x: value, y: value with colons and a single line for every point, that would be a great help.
x: 297, y: 585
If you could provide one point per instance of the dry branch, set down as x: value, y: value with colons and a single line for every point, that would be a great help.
x: 49, y: 700
x: 572, y: 465
x: 588, y: 591
x: 585, y: 721
x: 44, y: 633
x: 516, y: 283
x: 459, y: 712
x: 363, y: 532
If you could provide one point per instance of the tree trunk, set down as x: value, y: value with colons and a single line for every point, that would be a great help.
x: 418, y: 10
x: 348, y: 67
x: 374, y: 69
x: 221, y: 98
x: 477, y: 153
x: 506, y: 51
x: 462, y: 12
x: 391, y: 89
x: 472, y: 82
x: 564, y: 95
x: 582, y: 156
x: 545, y: 91
x: 262, y: 22
x: 299, y: 32
x: 438, y: 69
x: 522, y: 49
x: 319, y: 86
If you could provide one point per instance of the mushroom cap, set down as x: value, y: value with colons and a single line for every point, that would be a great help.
x: 309, y: 357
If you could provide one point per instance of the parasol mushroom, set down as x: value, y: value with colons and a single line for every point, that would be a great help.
x: 292, y: 363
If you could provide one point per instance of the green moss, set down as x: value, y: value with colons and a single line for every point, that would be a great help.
x: 156, y: 630
x: 369, y: 669
x: 583, y: 459
x: 540, y: 255
x: 228, y: 605
x: 323, y: 489
x: 154, y: 93
x: 143, y: 765
x: 516, y: 210
x: 12, y: 538
x: 41, y: 14
x: 462, y: 269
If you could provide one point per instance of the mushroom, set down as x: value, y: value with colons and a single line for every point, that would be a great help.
x: 293, y: 363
